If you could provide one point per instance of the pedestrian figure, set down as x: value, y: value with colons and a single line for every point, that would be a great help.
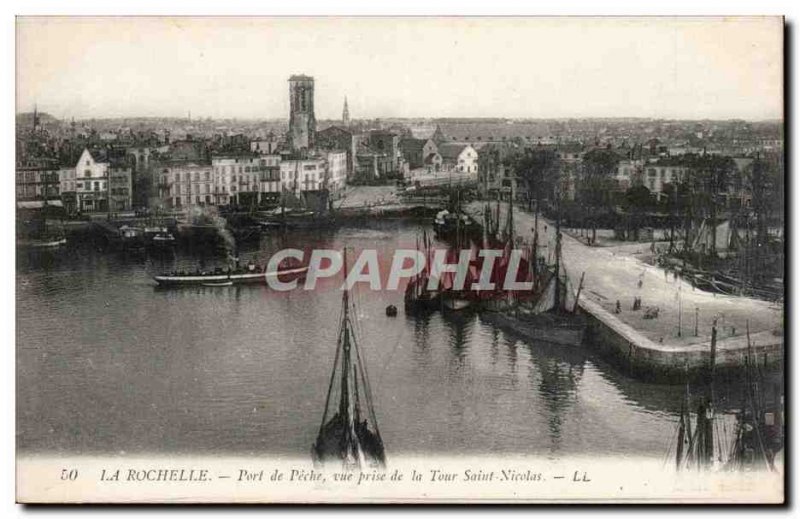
x: 618, y: 308
x: 639, y: 283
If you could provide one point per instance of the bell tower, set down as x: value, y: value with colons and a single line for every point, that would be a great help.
x: 345, y: 114
x: 302, y: 124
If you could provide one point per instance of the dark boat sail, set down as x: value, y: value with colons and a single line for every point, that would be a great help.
x: 349, y: 433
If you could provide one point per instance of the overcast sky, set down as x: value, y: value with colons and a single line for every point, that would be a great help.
x: 403, y: 67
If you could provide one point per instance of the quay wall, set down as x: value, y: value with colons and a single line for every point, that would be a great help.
x: 643, y: 358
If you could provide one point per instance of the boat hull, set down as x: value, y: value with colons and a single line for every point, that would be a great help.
x: 42, y: 244
x: 546, y: 328
x: 241, y: 278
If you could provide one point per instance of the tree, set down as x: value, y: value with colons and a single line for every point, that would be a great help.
x: 637, y: 201
x: 766, y: 186
x: 537, y: 168
x: 596, y: 185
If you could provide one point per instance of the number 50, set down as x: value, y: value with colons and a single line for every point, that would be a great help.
x: 69, y: 475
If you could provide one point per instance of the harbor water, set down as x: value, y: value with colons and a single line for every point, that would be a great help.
x: 109, y: 364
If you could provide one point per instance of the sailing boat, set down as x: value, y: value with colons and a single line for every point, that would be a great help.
x: 549, y: 312
x: 454, y: 299
x: 348, y: 434
x: 757, y: 433
x: 418, y: 297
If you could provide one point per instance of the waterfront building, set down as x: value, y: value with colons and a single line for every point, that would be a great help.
x: 338, y: 138
x: 183, y: 184
x: 103, y: 181
x: 66, y: 181
x: 459, y: 158
x: 417, y: 151
x: 300, y: 175
x: 236, y: 178
x: 38, y: 182
x: 302, y: 123
x: 336, y: 163
x: 269, y: 179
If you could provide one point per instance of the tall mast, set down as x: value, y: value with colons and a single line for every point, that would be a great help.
x: 558, y: 251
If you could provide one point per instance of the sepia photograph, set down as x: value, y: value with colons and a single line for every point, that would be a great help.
x: 376, y: 259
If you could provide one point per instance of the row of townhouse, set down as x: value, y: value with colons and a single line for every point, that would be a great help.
x: 39, y: 182
x: 100, y: 181
x: 245, y: 179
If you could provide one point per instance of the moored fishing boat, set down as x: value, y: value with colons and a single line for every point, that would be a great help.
x: 348, y: 435
x: 547, y: 312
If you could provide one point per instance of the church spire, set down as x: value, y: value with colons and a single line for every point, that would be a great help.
x: 345, y: 113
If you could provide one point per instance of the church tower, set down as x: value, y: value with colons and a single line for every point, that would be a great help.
x: 302, y: 124
x: 345, y: 114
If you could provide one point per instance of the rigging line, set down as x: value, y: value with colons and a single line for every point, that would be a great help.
x: 367, y: 389
x: 670, y: 442
x: 333, y: 376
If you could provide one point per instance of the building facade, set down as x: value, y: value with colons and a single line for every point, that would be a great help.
x: 336, y: 163
x: 237, y: 178
x: 184, y: 184
x: 460, y: 158
x: 417, y: 151
x: 338, y: 138
x: 102, y: 183
x: 655, y: 175
x: 38, y: 183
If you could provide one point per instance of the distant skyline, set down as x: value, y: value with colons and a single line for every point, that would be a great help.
x: 236, y: 67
